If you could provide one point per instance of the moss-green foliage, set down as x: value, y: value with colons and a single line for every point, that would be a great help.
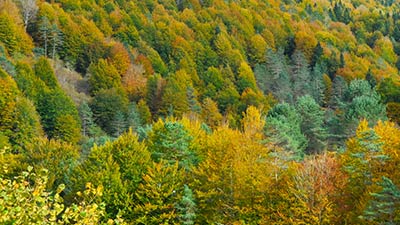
x: 53, y: 105
x: 174, y: 98
x: 103, y: 75
x: 27, y: 82
x: 58, y: 114
x: 55, y: 156
x: 67, y: 128
x: 26, y: 125
x: 45, y: 72
x: 170, y: 142
x: 119, y: 166
x: 19, y: 119
x: 105, y: 106
x: 283, y: 128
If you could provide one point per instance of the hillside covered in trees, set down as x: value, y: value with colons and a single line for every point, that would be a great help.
x: 199, y: 112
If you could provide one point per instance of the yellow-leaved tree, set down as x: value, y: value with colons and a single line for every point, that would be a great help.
x: 371, y: 156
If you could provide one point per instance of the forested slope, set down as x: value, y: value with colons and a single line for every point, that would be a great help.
x: 200, y: 111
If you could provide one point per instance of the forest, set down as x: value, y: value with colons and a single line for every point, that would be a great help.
x: 200, y: 112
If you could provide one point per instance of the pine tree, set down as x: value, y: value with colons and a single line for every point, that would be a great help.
x: 192, y: 100
x: 86, y: 116
x: 283, y: 128
x: 316, y: 58
x: 278, y: 79
x: 119, y: 123
x: 44, y: 33
x: 363, y: 102
x: 187, y: 207
x: 384, y: 207
x: 339, y: 89
x: 55, y: 38
x: 371, y: 79
x: 171, y: 142
x: 274, y: 77
x: 363, y: 159
x: 300, y: 75
x: 133, y: 119
x: 312, y: 124
x: 317, y: 85
x: 105, y: 106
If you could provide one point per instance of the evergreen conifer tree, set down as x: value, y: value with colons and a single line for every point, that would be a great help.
x: 133, y: 120
x: 300, y: 75
x: 283, y: 128
x: 187, y: 207
x: 384, y: 207
x: 86, y: 116
x: 312, y: 124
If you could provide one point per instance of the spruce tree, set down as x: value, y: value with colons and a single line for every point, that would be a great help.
x: 312, y: 124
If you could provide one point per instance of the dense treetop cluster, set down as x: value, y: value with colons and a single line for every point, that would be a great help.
x: 199, y: 111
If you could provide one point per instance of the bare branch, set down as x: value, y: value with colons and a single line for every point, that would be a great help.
x: 29, y: 11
